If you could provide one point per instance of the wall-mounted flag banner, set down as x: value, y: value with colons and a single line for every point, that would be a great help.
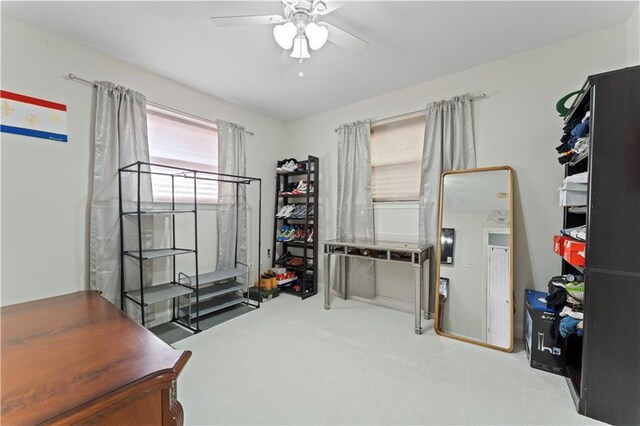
x: 24, y: 115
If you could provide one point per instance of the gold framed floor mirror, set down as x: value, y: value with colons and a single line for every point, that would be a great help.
x: 474, y: 270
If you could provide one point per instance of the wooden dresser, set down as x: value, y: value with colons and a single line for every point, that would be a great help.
x: 79, y: 359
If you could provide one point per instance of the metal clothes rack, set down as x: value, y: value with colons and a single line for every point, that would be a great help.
x: 205, y: 292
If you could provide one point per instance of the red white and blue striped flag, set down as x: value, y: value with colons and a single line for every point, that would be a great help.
x: 24, y: 115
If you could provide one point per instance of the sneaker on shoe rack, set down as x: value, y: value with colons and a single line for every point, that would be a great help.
x: 284, y: 232
x: 289, y: 167
x: 289, y: 235
x: 290, y: 210
x: 299, y: 212
x: 300, y: 189
x: 286, y: 165
x: 287, y: 213
x: 284, y: 258
x: 289, y: 189
x: 281, y: 211
x: 280, y: 164
x: 294, y: 212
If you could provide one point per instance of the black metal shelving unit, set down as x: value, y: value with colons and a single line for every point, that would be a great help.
x: 603, y: 364
x: 192, y: 295
x: 308, y: 251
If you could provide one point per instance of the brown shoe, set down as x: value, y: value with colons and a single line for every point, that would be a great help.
x: 295, y: 261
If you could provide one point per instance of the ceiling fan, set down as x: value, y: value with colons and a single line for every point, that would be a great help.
x: 298, y: 28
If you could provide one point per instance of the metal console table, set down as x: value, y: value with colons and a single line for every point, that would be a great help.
x: 390, y: 251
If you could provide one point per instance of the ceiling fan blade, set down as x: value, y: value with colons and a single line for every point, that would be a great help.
x: 232, y: 21
x: 328, y: 8
x: 345, y: 39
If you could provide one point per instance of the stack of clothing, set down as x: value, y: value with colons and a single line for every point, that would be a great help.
x: 575, y: 140
x: 566, y: 298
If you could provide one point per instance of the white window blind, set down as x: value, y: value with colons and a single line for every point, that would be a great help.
x: 396, y: 158
x: 181, y: 141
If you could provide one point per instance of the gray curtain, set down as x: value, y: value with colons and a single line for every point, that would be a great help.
x: 120, y: 140
x: 355, y: 204
x: 448, y: 145
x: 231, y: 160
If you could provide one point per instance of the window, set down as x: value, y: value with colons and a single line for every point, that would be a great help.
x: 181, y: 141
x: 396, y: 158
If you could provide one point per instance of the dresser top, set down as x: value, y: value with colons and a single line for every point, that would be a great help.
x: 62, y: 352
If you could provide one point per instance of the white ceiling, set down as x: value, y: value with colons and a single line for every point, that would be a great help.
x: 411, y: 42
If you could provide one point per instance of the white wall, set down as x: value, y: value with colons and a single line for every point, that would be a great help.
x: 46, y: 185
x: 516, y: 125
x: 633, y: 38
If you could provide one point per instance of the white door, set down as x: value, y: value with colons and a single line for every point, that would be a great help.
x: 498, y: 297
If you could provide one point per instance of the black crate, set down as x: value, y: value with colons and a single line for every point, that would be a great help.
x: 266, y: 295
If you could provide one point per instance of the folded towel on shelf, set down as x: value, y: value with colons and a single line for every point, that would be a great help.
x: 577, y: 178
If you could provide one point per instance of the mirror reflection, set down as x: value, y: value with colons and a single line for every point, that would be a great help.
x: 475, y: 272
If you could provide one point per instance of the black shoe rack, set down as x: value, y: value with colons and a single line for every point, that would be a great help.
x: 305, y: 283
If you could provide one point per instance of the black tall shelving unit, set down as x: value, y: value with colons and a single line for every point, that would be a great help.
x: 307, y: 250
x: 202, y: 293
x: 603, y: 366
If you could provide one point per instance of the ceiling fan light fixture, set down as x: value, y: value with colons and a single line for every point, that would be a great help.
x: 284, y: 34
x: 300, y: 50
x: 317, y: 35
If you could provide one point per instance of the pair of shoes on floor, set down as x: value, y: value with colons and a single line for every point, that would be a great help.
x: 287, y: 165
x: 268, y: 281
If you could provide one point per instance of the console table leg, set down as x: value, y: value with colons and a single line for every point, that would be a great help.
x: 417, y: 277
x: 327, y: 280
